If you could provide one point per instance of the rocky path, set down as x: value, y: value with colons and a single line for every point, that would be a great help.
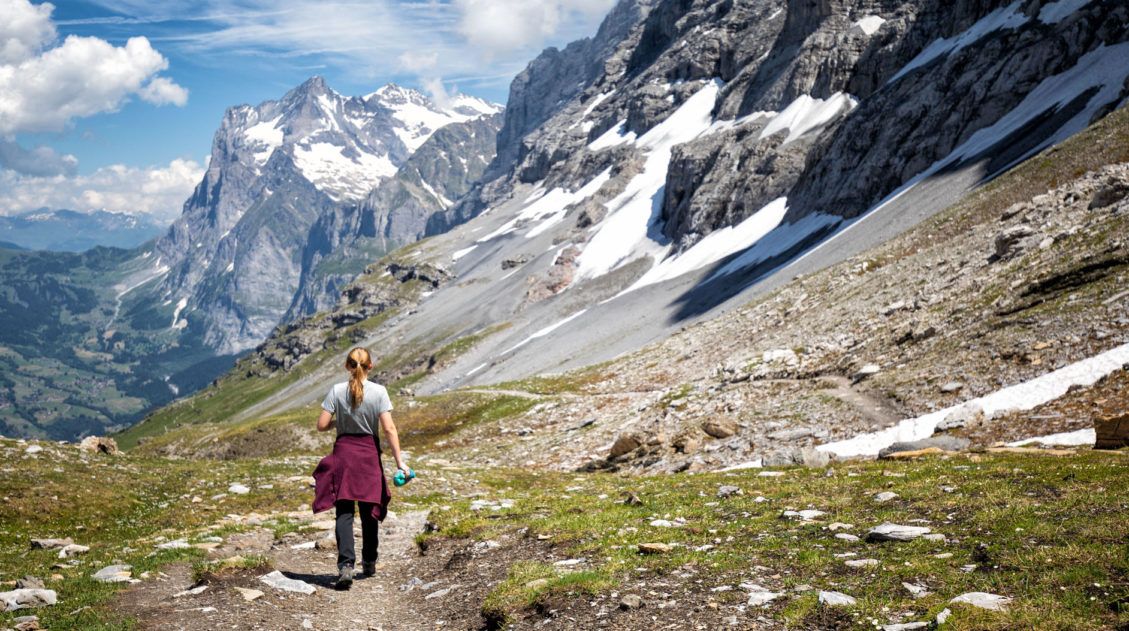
x: 240, y: 600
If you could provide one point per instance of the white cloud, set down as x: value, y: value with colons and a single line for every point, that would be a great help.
x: 497, y: 26
x: 43, y: 88
x: 157, y: 191
x: 414, y: 61
x: 40, y: 161
x: 24, y: 29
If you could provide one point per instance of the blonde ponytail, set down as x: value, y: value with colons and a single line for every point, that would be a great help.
x: 358, y: 363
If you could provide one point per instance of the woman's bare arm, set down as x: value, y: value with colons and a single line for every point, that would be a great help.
x: 393, y: 438
x: 325, y: 421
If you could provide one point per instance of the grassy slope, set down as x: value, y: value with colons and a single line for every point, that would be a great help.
x: 1053, y: 527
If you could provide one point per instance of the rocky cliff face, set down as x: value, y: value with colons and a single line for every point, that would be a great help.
x: 237, y: 255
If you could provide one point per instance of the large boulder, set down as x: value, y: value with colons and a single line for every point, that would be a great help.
x: 719, y: 427
x: 99, y: 444
x: 1112, y: 432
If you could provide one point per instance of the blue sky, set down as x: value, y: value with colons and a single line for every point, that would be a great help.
x: 142, y: 114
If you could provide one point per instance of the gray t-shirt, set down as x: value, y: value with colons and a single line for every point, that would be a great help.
x: 364, y: 418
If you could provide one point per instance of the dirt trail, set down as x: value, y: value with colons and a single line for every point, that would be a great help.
x: 377, y: 603
x: 879, y: 411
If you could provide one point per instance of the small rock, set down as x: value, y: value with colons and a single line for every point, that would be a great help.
x: 33, y: 449
x: 983, y: 600
x: 26, y: 598
x: 943, y: 617
x: 861, y: 563
x: 896, y: 532
x: 1012, y: 241
x: 537, y: 583
x: 729, y: 490
x: 630, y: 601
x: 27, y: 623
x: 662, y: 523
x: 839, y: 526
x: 327, y: 543
x: 905, y: 626
x: 99, y: 444
x: 846, y: 536
x: 936, y: 536
x: 48, y: 544
x: 278, y: 580
x: 238, y: 489
x: 113, y: 574
x: 72, y: 549
x: 805, y: 515
x: 944, y: 443
x: 195, y: 591
x: 720, y: 427
x: 626, y: 443
x: 814, y: 458
x: 1112, y: 432
x: 836, y: 599
x: 631, y: 499
x: 30, y: 582
x: 790, y: 435
x: 868, y: 370
x: 439, y: 593
x: 654, y: 548
x: 885, y: 496
x: 308, y: 545
x: 176, y: 544
x: 759, y: 596
x: 951, y: 387
x: 916, y: 590
x: 249, y: 594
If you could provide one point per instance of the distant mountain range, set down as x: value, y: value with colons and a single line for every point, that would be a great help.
x: 72, y: 231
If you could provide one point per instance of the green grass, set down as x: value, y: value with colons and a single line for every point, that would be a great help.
x: 1055, y: 530
x: 121, y: 507
x: 530, y: 583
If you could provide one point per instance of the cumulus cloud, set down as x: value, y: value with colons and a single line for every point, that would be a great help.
x: 40, y: 161
x: 497, y: 26
x: 25, y: 29
x: 45, y: 87
x: 158, y: 191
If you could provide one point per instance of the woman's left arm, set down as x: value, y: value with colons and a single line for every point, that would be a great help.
x: 325, y: 421
x: 393, y: 438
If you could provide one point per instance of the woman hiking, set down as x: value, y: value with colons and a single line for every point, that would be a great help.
x: 353, y: 474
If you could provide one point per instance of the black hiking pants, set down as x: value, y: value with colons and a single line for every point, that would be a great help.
x: 370, y: 538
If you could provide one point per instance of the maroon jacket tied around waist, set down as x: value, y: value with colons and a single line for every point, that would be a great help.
x: 352, y: 472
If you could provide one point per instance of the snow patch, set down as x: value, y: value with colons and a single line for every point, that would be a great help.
x: 869, y: 25
x: 545, y: 331
x: 463, y: 252
x: 266, y: 136
x: 1056, y: 12
x: 806, y: 114
x: 177, y: 323
x: 624, y: 233
x: 1079, y: 438
x: 339, y: 176
x: 1022, y: 396
x: 1008, y: 17
x: 617, y: 135
x: 717, y: 245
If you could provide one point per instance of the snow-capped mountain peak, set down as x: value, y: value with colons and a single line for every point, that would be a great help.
x: 346, y: 145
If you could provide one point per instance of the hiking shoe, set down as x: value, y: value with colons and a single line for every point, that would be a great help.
x: 344, y: 578
x: 368, y: 569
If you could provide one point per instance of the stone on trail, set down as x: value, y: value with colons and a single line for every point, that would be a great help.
x: 983, y: 600
x: 905, y: 626
x: 113, y: 574
x: 836, y: 599
x: 249, y: 594
x: 845, y: 536
x: 238, y: 489
x: 25, y: 598
x: 952, y: 386
x: 630, y: 601
x: 896, y: 532
x: 278, y: 580
x: 195, y: 591
x: 759, y: 596
x: 654, y: 548
x: 309, y: 545
x: 885, y: 496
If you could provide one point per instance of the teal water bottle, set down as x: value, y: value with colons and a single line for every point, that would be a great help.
x: 400, y: 478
